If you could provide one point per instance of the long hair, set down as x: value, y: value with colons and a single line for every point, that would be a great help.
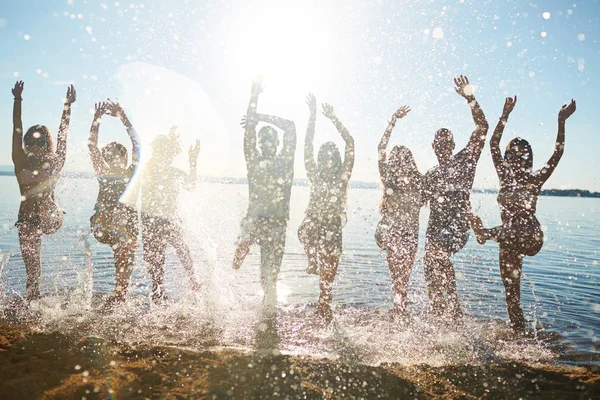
x: 522, y: 144
x: 329, y: 162
x: 401, y: 172
x: 39, y: 135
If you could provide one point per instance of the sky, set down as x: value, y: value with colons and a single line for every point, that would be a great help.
x: 191, y: 64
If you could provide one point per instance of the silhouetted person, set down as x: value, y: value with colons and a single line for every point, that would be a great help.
x: 37, y: 168
x: 520, y: 233
x: 161, y: 225
x: 403, y: 196
x: 321, y: 230
x: 115, y: 222
x: 448, y: 189
x: 270, y: 177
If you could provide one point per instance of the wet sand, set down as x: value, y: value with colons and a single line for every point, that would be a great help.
x: 54, y: 366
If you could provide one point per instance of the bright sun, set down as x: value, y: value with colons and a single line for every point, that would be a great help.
x: 288, y: 44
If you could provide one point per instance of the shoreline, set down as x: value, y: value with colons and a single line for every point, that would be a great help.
x: 578, y: 193
x: 53, y: 365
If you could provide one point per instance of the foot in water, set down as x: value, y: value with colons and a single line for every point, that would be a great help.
x: 477, y: 226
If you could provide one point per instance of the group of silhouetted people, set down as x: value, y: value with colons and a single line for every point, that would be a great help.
x: 446, y: 188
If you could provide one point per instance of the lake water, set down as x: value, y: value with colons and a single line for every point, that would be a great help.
x: 560, y: 287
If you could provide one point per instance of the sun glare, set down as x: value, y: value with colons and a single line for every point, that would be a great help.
x: 288, y: 45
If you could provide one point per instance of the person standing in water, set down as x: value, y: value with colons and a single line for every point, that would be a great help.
x: 37, y: 168
x: 270, y: 177
x: 161, y: 225
x: 114, y: 222
x: 403, y: 196
x: 321, y: 230
x: 448, y: 192
x: 520, y: 234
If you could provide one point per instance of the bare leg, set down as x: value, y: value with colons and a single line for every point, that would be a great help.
x: 400, y: 262
x: 155, y: 257
x: 511, y: 264
x: 449, y: 284
x: 307, y: 234
x: 185, y: 258
x: 30, y: 239
x: 271, y: 255
x: 328, y: 265
x: 434, y: 259
x: 124, y: 257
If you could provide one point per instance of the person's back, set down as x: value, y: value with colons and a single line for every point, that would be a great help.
x: 270, y: 185
x: 160, y: 189
x: 270, y: 177
x: 449, y: 190
x: 448, y: 187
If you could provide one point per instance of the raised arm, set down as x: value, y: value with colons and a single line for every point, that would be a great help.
x: 99, y: 110
x: 116, y: 110
x: 61, y: 141
x: 18, y: 154
x: 383, y: 143
x: 477, y: 140
x: 190, y: 180
x: 501, y: 170
x: 546, y: 171
x: 329, y: 112
x: 249, y: 122
x: 309, y: 148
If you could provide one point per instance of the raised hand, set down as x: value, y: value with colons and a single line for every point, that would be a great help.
x: 328, y: 111
x: 172, y: 133
x: 17, y: 91
x: 463, y: 87
x: 509, y: 105
x: 311, y: 101
x: 400, y: 113
x: 257, y: 85
x: 567, y: 110
x: 114, y: 108
x: 71, y: 95
x: 100, y: 109
x: 193, y: 152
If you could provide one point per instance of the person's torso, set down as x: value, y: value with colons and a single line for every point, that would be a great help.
x: 270, y: 185
x: 517, y: 201
x: 160, y: 191
x: 449, y: 188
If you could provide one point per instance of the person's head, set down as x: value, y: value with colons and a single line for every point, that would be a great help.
x: 329, y: 160
x: 165, y: 148
x: 115, y: 155
x: 401, y: 162
x: 519, y: 156
x: 268, y: 141
x: 443, y: 144
x: 38, y: 142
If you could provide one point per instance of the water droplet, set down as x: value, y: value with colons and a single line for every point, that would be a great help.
x: 546, y: 15
x: 543, y: 34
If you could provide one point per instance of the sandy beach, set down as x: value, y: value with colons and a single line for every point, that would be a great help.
x: 54, y: 366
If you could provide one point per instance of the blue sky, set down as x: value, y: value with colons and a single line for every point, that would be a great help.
x: 190, y: 63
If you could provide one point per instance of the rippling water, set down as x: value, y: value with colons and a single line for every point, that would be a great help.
x: 560, y: 288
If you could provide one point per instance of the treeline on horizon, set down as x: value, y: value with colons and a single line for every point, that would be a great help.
x: 8, y: 171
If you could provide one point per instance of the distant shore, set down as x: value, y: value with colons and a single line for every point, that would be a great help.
x: 4, y: 171
x: 55, y: 366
